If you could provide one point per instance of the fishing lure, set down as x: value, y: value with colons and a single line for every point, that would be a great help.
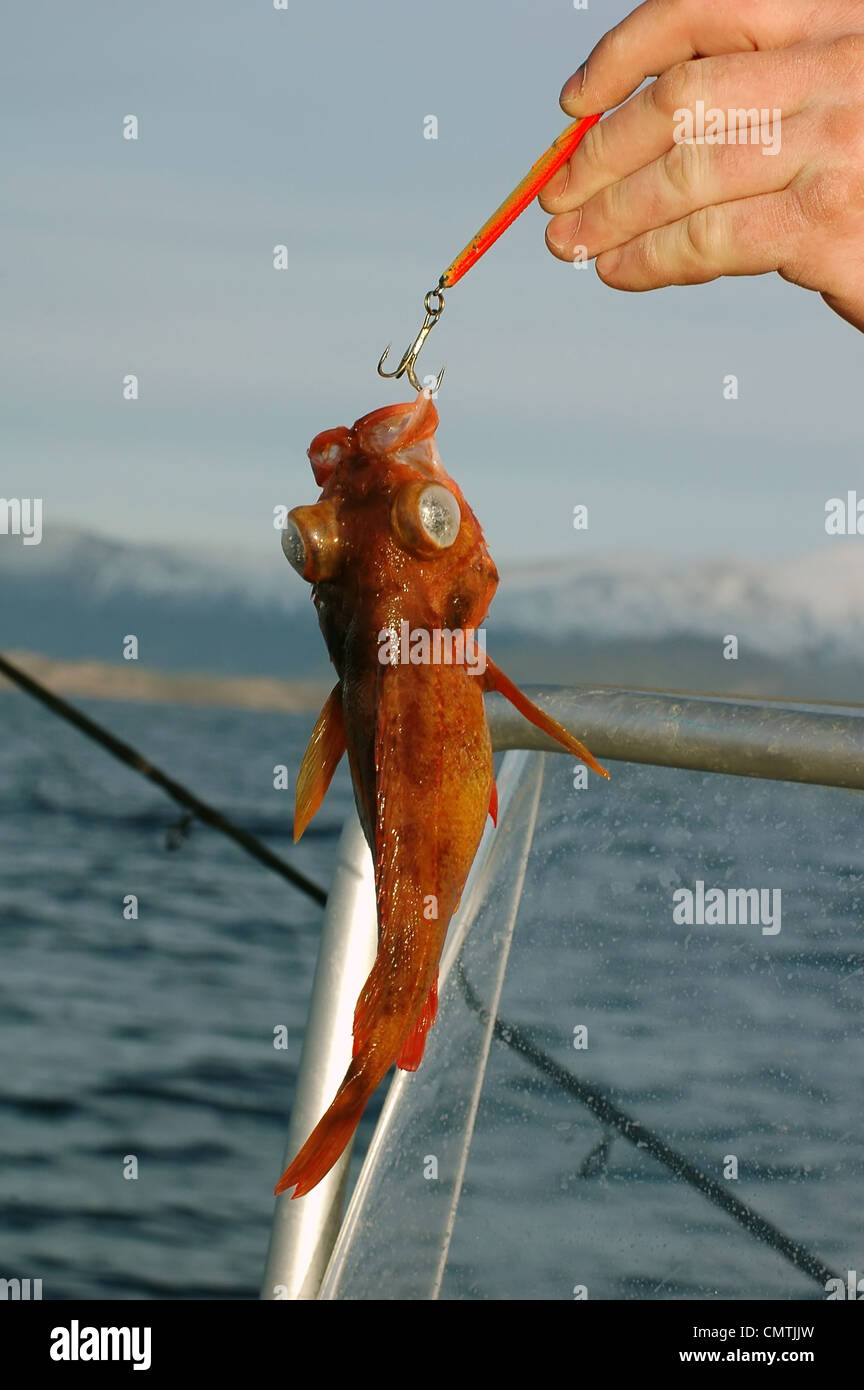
x: 401, y: 580
x: 515, y: 203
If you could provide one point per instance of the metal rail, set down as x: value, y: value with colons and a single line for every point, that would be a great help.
x: 783, y: 741
x: 304, y: 1232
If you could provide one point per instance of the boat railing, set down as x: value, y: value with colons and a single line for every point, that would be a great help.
x: 314, y: 1253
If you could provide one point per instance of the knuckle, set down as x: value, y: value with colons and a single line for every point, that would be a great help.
x: 826, y: 199
x: 843, y: 128
x: 603, y: 59
x: 644, y: 258
x: 680, y: 167
x: 594, y: 151
x: 704, y: 234
x: 614, y: 43
x: 846, y: 56
x: 671, y: 11
x: 615, y: 51
x: 676, y: 89
x: 790, y: 219
x: 750, y: 16
x: 611, y: 205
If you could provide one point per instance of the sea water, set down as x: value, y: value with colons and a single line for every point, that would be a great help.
x: 144, y: 1104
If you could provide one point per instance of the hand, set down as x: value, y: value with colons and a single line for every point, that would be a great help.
x: 655, y: 210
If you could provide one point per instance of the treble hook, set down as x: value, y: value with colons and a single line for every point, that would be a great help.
x: 434, y: 306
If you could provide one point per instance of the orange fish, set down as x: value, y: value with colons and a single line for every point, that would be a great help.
x: 401, y: 579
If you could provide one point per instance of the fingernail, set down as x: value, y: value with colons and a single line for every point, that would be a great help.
x: 574, y: 87
x: 563, y: 230
x: 608, y: 263
x: 556, y: 185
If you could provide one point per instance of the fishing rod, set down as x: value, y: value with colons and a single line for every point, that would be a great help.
x: 641, y: 1137
x: 130, y: 756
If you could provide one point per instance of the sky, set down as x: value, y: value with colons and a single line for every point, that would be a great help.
x: 305, y: 127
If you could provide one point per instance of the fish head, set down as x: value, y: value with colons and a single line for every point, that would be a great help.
x: 391, y: 536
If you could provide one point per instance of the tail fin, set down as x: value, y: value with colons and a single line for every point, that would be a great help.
x: 496, y: 680
x: 334, y: 1130
x: 323, y: 1148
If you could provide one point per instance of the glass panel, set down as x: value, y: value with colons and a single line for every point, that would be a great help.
x: 738, y: 1044
x: 396, y: 1234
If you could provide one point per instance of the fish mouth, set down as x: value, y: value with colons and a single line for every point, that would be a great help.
x: 384, y: 432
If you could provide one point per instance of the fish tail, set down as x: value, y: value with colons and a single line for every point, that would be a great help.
x: 381, y: 1042
x: 325, y: 1144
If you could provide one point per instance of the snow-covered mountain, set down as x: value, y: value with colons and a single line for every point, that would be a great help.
x: 808, y: 605
x: 104, y: 567
x: 78, y: 595
x: 640, y: 618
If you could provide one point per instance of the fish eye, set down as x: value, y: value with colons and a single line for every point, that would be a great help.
x: 439, y: 515
x: 293, y: 546
x: 311, y: 541
x: 426, y: 517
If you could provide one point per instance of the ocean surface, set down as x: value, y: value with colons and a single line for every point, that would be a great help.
x: 153, y: 1038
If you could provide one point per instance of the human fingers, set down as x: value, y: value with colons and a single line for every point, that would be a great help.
x: 739, y: 86
x: 751, y: 236
x: 660, y: 33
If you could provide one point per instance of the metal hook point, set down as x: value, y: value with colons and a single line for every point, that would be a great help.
x: 409, y: 357
x: 406, y: 368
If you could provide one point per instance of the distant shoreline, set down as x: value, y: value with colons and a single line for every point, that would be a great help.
x: 107, y: 681
x: 647, y: 666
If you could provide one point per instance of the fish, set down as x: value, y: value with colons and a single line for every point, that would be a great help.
x: 402, y: 581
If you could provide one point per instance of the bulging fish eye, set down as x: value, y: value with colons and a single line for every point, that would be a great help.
x: 310, y: 541
x: 426, y: 517
x: 293, y: 546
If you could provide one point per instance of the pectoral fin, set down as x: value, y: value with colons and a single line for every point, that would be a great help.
x: 320, y: 760
x: 496, y: 680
